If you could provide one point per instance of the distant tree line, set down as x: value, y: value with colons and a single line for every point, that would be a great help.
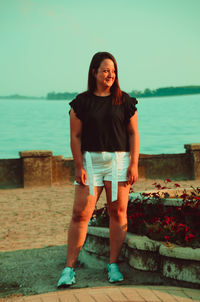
x: 166, y: 91
x: 18, y: 96
x: 61, y: 96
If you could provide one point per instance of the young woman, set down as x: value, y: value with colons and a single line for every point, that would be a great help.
x: 105, y: 148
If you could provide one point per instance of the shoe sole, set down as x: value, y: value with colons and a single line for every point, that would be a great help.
x: 67, y: 285
x: 115, y: 281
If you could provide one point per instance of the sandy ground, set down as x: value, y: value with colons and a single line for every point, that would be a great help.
x: 39, y: 217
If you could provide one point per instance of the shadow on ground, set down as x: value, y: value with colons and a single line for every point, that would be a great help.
x: 37, y: 271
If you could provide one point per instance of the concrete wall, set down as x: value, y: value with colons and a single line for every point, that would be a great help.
x: 174, y: 166
x: 40, y: 168
x: 11, y: 172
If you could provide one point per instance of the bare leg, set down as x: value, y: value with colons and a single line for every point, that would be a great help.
x: 118, y: 218
x: 84, y: 205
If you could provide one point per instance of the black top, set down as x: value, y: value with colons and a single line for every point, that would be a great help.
x: 104, y: 126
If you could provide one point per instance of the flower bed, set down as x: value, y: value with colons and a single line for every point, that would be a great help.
x: 150, y: 215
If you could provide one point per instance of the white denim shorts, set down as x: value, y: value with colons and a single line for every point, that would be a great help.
x: 105, y: 166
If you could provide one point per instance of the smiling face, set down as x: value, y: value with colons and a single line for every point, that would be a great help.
x: 105, y: 75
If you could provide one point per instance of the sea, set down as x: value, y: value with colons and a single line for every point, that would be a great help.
x: 165, y: 125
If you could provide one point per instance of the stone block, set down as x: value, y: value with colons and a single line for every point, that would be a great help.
x: 194, y: 152
x: 161, y: 166
x: 143, y: 252
x: 63, y: 170
x: 181, y: 263
x: 179, y: 269
x: 92, y: 260
x: 144, y: 260
x: 35, y: 153
x: 179, y: 252
x: 37, y: 168
x: 95, y: 244
x: 56, y: 160
x: 11, y: 171
x: 142, y: 243
x: 98, y: 231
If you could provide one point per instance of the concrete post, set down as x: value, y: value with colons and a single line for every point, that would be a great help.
x: 194, y: 151
x: 56, y: 160
x: 37, y: 168
x: 63, y: 170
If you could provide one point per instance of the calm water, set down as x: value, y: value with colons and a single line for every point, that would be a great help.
x: 165, y: 125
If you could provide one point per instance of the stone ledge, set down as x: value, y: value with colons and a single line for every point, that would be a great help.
x: 168, y: 193
x: 142, y: 243
x: 165, y: 201
x: 98, y: 231
x: 186, y: 253
x: 58, y: 157
x: 167, y: 197
x: 180, y: 269
x: 35, y: 153
x: 142, y: 253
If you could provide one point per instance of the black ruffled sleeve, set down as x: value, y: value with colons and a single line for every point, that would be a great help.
x: 76, y: 104
x: 130, y: 107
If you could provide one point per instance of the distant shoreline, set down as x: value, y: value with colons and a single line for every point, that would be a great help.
x: 147, y: 93
x: 17, y: 96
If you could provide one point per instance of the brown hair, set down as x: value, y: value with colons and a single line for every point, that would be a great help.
x: 94, y: 65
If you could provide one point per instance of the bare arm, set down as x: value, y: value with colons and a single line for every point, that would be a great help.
x: 75, y: 142
x: 134, y: 142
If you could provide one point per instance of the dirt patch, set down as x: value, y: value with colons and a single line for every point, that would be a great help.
x: 40, y: 217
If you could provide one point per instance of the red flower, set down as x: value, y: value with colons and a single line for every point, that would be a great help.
x: 145, y: 194
x: 184, y: 195
x: 196, y: 197
x: 168, y: 220
x: 158, y: 186
x: 150, y: 231
x: 189, y: 237
x: 177, y: 185
x: 168, y: 180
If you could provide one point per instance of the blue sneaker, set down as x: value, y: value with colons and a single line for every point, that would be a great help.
x: 67, y: 277
x: 114, y: 274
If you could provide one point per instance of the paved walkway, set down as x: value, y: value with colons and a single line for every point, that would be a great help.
x: 117, y: 294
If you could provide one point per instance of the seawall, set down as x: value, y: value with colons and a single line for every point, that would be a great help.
x: 38, y: 168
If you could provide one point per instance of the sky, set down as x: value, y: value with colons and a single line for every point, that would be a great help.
x: 47, y: 45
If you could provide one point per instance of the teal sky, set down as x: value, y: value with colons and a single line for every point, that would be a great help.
x: 47, y: 45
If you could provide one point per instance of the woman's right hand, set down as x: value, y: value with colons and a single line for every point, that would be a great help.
x: 80, y: 176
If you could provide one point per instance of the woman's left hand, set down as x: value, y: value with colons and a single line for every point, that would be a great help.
x: 132, y: 174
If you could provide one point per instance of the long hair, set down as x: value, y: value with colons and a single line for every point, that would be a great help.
x: 94, y: 65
